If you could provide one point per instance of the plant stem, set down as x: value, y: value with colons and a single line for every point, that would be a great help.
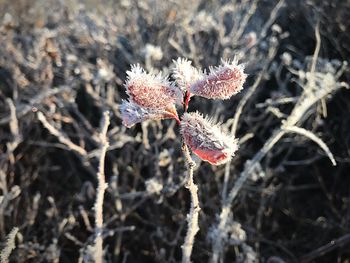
x: 98, y: 252
x: 187, y: 100
x: 192, y: 217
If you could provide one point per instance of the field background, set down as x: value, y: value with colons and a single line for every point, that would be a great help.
x: 62, y: 63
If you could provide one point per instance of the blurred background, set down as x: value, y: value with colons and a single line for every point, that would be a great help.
x: 67, y: 60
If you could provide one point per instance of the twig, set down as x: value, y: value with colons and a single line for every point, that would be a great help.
x: 14, y: 128
x: 13, y: 122
x: 10, y: 245
x: 317, y: 48
x: 273, y: 15
x: 326, y: 248
x: 313, y: 137
x: 242, y: 25
x: 226, y: 211
x: 192, y: 217
x: 22, y: 110
x: 242, y: 103
x: 313, y: 92
x: 245, y: 99
x: 60, y: 136
x: 98, y: 251
x: 236, y: 117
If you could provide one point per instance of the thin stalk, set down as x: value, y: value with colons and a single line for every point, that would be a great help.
x: 192, y: 217
x: 98, y: 251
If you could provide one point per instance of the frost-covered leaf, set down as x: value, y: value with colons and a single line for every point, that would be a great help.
x: 151, y: 91
x: 133, y: 113
x: 222, y: 82
x: 206, y: 139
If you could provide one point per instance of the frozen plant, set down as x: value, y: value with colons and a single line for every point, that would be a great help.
x: 153, y: 97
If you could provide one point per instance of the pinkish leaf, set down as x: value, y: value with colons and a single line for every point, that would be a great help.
x: 206, y: 139
x: 133, y: 113
x: 185, y: 74
x: 151, y: 91
x: 221, y: 83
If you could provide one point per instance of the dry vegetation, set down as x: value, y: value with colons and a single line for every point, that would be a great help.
x: 280, y: 199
